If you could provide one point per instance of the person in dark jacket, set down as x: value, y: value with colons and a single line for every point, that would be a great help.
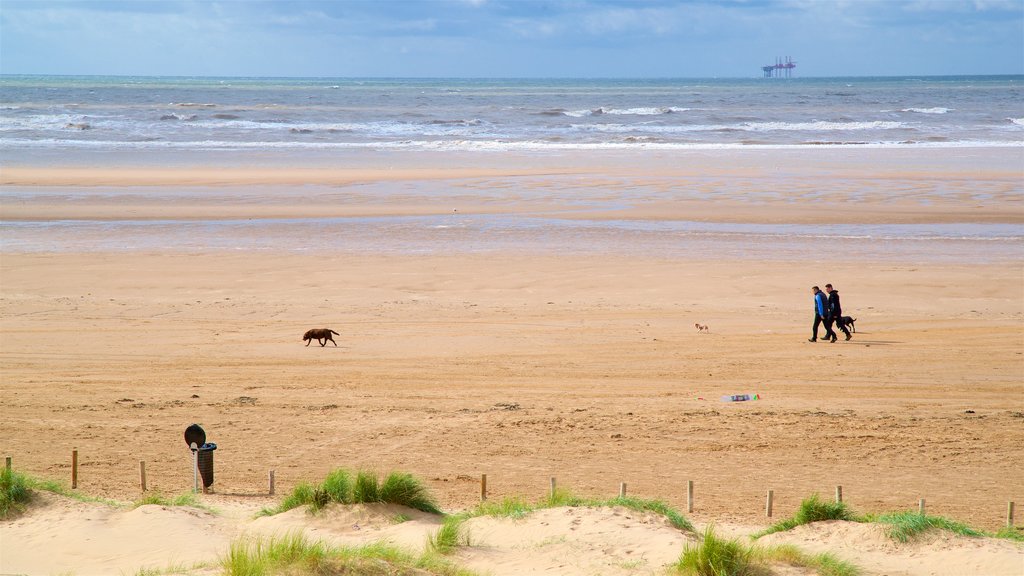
x: 835, y: 313
x: 820, y: 314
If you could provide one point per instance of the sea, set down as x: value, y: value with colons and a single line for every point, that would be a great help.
x: 136, y: 113
x: 115, y: 121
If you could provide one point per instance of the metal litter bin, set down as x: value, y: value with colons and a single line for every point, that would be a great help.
x: 205, y: 458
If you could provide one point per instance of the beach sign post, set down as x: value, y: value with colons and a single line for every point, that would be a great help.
x: 195, y: 437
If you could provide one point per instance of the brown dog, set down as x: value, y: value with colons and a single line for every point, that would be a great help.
x: 702, y: 327
x: 321, y: 335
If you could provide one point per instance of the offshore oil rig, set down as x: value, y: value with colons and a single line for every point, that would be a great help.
x: 781, y: 68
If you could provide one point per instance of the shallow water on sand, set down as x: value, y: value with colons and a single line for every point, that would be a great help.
x: 446, y: 234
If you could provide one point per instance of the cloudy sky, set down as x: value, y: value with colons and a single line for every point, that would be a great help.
x: 510, y: 38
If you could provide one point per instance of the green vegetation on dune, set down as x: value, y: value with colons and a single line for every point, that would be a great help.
x: 716, y: 556
x: 449, y: 536
x: 14, y: 493
x: 812, y: 509
x: 518, y: 508
x: 188, y: 499
x: 905, y: 526
x: 342, y: 487
x: 16, y: 490
x: 900, y: 526
x: 294, y: 554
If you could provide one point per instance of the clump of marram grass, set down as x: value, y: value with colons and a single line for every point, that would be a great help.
x: 900, y: 526
x: 296, y: 555
x: 1010, y: 533
x: 398, y: 488
x: 508, y: 507
x: 905, y: 526
x: 812, y: 509
x: 405, y: 489
x: 657, y: 506
x: 715, y: 556
x: 15, y: 493
x: 518, y: 508
x: 365, y: 488
x: 824, y: 563
x: 338, y: 485
x: 155, y: 497
x: 449, y: 536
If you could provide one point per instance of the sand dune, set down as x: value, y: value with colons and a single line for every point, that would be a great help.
x: 58, y: 535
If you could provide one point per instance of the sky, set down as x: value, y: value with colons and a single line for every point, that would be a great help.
x: 511, y: 38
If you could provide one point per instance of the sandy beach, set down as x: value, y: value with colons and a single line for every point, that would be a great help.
x: 529, y: 359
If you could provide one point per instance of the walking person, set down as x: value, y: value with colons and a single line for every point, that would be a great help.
x: 820, y: 313
x: 835, y: 312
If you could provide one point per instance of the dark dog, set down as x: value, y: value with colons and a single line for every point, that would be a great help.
x: 848, y: 322
x: 321, y: 335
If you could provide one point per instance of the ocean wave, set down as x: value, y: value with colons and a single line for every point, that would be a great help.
x: 179, y: 117
x: 622, y: 111
x: 1016, y: 121
x: 475, y: 145
x: 936, y: 110
x: 819, y: 126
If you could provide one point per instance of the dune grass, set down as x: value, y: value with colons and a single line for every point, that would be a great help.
x: 295, y: 555
x: 15, y: 493
x: 716, y: 556
x: 449, y: 536
x: 812, y: 509
x: 519, y: 508
x: 188, y: 499
x: 905, y: 526
x: 509, y: 507
x: 900, y: 526
x: 338, y: 485
x: 363, y: 488
x: 825, y: 563
x: 405, y: 489
x: 657, y: 506
x: 1009, y: 533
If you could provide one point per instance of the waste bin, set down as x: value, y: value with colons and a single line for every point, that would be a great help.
x: 205, y: 458
x: 195, y: 434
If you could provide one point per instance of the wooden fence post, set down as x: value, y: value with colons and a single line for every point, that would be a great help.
x: 74, y: 468
x: 553, y: 482
x: 839, y: 493
x: 920, y: 506
x: 142, y: 474
x: 622, y: 490
x: 1009, y: 514
x: 768, y: 504
x: 483, y: 487
x: 689, y: 495
x: 270, y: 478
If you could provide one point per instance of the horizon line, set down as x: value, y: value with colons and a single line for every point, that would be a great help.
x: 617, y: 78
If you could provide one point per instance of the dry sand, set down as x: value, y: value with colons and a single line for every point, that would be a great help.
x: 519, y: 365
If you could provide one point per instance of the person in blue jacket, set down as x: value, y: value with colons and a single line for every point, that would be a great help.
x: 820, y: 315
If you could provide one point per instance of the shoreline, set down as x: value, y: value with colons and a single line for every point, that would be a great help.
x: 781, y: 187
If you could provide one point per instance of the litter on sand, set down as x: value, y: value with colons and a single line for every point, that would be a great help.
x: 740, y: 397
